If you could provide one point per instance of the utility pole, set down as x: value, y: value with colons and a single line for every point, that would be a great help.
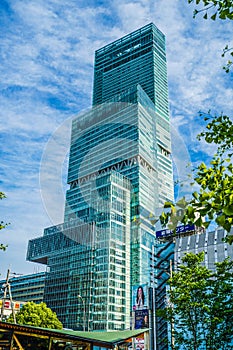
x: 7, y: 288
x: 172, y: 319
x: 154, y: 300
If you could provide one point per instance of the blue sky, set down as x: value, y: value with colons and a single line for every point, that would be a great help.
x: 46, y: 54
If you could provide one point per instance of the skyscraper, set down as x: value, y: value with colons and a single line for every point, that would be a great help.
x: 140, y: 58
x: 119, y: 173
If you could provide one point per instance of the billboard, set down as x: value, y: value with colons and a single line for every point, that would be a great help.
x: 6, y: 308
x: 141, y: 319
x: 139, y: 343
x: 140, y: 297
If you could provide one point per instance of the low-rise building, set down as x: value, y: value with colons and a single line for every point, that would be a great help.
x: 26, y: 287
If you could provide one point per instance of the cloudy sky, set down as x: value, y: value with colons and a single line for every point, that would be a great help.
x: 46, y: 54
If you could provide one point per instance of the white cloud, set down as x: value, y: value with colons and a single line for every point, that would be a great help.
x: 47, y: 55
x: 133, y: 14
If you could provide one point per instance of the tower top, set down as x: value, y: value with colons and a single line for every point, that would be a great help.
x: 151, y: 27
x: 137, y: 58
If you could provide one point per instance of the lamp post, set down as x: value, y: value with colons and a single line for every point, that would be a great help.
x: 84, y: 312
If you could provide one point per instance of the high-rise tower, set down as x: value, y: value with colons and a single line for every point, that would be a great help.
x: 140, y: 58
x: 119, y: 173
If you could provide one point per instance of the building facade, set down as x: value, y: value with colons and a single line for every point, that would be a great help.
x: 212, y: 243
x: 120, y: 173
x: 27, y: 287
x: 140, y: 58
x: 16, y: 291
x: 167, y: 257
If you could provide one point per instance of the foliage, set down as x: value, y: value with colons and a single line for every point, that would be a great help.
x: 2, y: 224
x: 38, y: 315
x: 222, y: 9
x: 228, y: 51
x: 219, y: 131
x: 201, y: 304
x: 214, y: 200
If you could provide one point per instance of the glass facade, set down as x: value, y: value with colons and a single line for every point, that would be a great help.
x: 140, y: 58
x: 167, y: 256
x: 212, y: 243
x: 163, y: 265
x: 120, y: 173
x: 27, y: 287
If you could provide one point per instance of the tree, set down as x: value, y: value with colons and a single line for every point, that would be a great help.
x: 38, y: 315
x: 214, y: 199
x: 201, y: 304
x: 2, y: 224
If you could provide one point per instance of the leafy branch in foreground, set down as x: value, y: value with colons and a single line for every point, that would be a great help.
x: 221, y: 8
x: 214, y: 200
x: 2, y: 224
x: 229, y: 51
x: 219, y: 130
x: 201, y: 304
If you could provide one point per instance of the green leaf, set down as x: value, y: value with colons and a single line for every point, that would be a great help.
x: 182, y: 203
x: 195, y: 12
x: 198, y: 222
x: 213, y: 17
x: 222, y: 15
x: 195, y: 195
x: 190, y: 212
x: 168, y: 205
x: 205, y: 195
x: 228, y: 210
x: 206, y: 224
x: 221, y: 219
x: 229, y: 239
